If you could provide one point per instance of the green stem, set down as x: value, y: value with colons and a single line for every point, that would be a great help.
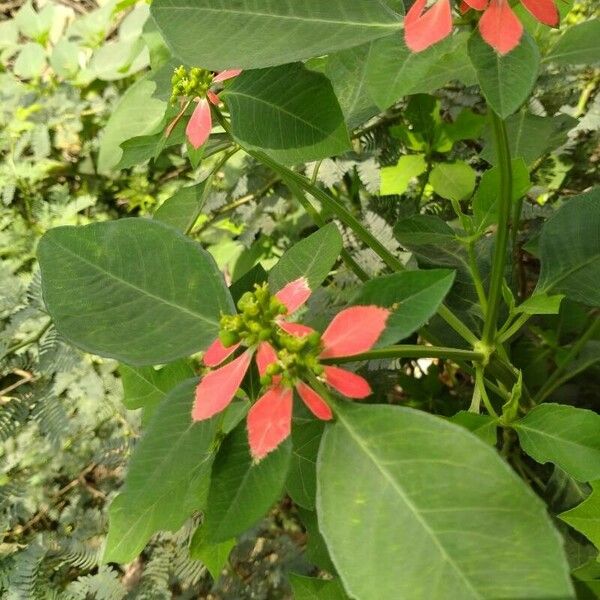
x: 502, y: 233
x: 26, y: 342
x: 507, y: 332
x: 480, y: 384
x: 410, y: 351
x: 559, y: 377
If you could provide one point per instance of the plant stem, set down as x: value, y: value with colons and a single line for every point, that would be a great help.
x: 480, y: 384
x: 508, y: 332
x: 26, y: 342
x: 502, y: 233
x: 557, y: 378
x: 410, y: 351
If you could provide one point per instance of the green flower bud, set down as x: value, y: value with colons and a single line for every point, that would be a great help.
x: 228, y: 338
x: 265, y: 380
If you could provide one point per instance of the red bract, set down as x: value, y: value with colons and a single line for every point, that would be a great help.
x: 352, y: 331
x: 499, y: 25
x: 200, y: 124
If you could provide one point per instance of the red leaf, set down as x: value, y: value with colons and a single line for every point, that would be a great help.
x: 200, y: 124
x: 544, y: 11
x: 295, y: 328
x: 294, y: 294
x: 217, y: 353
x: 423, y: 29
x: 500, y: 27
x: 315, y: 403
x: 216, y: 390
x: 227, y: 74
x: 347, y: 383
x: 269, y: 421
x: 354, y: 330
x: 213, y: 98
x: 265, y: 356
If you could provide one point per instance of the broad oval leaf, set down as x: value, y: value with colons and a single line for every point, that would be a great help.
x: 413, y: 297
x: 242, y: 492
x: 564, y: 435
x: 183, y: 208
x: 289, y: 112
x: 167, y: 473
x: 134, y: 289
x: 246, y: 34
x: 455, y: 521
x: 586, y: 516
x: 506, y: 80
x: 570, y: 250
x: 578, y: 45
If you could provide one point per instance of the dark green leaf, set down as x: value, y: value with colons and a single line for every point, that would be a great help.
x: 506, y: 80
x: 182, y: 209
x: 134, y: 289
x: 564, y: 435
x: 241, y: 492
x: 289, y: 112
x: 309, y: 588
x: 214, y: 556
x: 586, y: 517
x: 483, y: 426
x: 444, y: 506
x: 245, y: 34
x: 579, y: 45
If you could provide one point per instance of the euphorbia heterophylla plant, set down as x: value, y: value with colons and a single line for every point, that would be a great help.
x: 416, y: 274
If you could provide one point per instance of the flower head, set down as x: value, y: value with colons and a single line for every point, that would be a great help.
x: 498, y: 25
x: 196, y: 85
x: 286, y: 353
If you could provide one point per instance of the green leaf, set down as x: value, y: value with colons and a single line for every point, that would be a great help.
x: 316, y: 549
x: 570, y: 250
x: 64, y: 58
x: 245, y: 34
x: 242, y: 492
x: 289, y: 112
x: 586, y: 516
x: 413, y: 296
x: 506, y: 80
x: 454, y: 181
x: 313, y: 257
x: 137, y: 113
x: 183, y: 208
x: 485, y: 201
x: 540, y: 304
x: 445, y: 507
x: 173, y: 451
x: 31, y: 61
x: 564, y: 435
x: 134, y: 289
x: 579, y: 45
x: 145, y: 387
x: 531, y: 136
x: 301, y: 482
x: 483, y: 426
x: 396, y: 179
x: 393, y: 71
x: 309, y: 588
x: 214, y: 556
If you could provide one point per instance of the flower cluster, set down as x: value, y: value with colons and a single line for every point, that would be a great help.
x: 286, y: 354
x: 498, y: 25
x: 196, y: 85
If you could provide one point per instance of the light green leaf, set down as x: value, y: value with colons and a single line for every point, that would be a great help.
x: 145, y: 387
x: 241, y: 492
x: 134, y: 289
x: 564, y: 435
x: 540, y: 304
x: 454, y: 181
x: 455, y: 521
x: 579, y: 45
x: 172, y: 452
x: 396, y: 179
x: 309, y: 588
x: 289, y: 112
x: 30, y: 61
x: 65, y: 58
x: 393, y: 71
x: 313, y: 257
x: 506, y: 80
x: 413, y: 297
x: 225, y: 34
x: 485, y: 201
x: 570, y: 250
x: 214, y: 556
x: 182, y: 209
x: 586, y: 516
x: 137, y: 113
